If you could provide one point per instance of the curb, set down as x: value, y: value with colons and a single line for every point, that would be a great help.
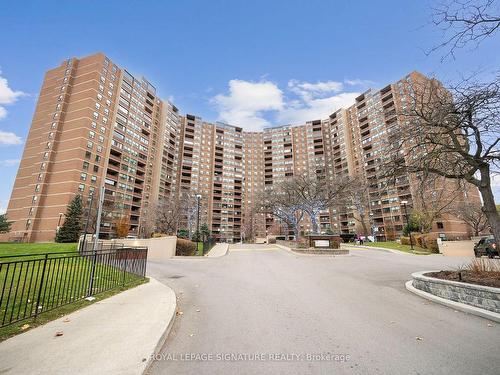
x: 163, y: 337
x: 220, y: 255
x: 452, y: 304
x: 310, y: 255
x: 361, y: 247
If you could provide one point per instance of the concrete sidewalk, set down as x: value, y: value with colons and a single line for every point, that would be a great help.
x: 115, y: 336
x: 218, y: 250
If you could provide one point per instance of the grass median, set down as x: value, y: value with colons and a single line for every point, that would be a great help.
x: 399, y: 247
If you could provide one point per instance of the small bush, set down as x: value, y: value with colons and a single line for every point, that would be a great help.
x: 429, y: 242
x: 483, y: 265
x: 271, y: 240
x: 405, y: 240
x: 185, y: 247
x: 158, y: 235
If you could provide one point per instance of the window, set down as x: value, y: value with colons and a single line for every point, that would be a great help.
x: 91, y: 135
x: 28, y: 223
x: 40, y: 177
x: 54, y: 125
x: 96, y: 115
x: 97, y: 158
x: 37, y: 187
x: 81, y: 187
x: 440, y: 225
x: 34, y: 199
x: 101, y: 139
x: 93, y: 179
x: 91, y: 190
x: 96, y: 168
x: 48, y: 145
x: 83, y: 176
x: 99, y: 148
x: 56, y: 115
x: 88, y: 154
x: 85, y: 166
x: 42, y: 166
x: 45, y: 155
x: 99, y: 96
x: 51, y: 135
x: 90, y: 144
x: 30, y: 212
x: 97, y: 106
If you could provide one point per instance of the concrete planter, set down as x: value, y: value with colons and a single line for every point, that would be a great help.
x: 483, y: 297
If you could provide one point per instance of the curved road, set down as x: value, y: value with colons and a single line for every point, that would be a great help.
x: 263, y: 310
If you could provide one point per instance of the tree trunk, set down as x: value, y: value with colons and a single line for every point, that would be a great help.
x: 365, y: 228
x: 490, y: 210
x: 314, y: 223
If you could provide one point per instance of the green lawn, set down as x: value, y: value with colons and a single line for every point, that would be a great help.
x: 15, y: 248
x: 397, y: 246
x: 29, y: 284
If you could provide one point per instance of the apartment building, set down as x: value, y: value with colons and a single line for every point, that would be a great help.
x: 97, y: 126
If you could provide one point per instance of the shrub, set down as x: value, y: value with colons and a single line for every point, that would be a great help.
x: 405, y: 240
x: 185, y: 247
x: 158, y: 235
x: 429, y: 242
x: 271, y: 240
x: 483, y: 265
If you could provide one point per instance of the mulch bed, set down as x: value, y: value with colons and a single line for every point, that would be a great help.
x: 487, y: 278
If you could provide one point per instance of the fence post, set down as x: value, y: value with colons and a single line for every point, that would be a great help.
x: 41, y: 285
x: 125, y: 268
x: 91, y: 281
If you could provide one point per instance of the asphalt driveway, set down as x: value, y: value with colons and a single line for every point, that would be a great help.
x: 263, y: 310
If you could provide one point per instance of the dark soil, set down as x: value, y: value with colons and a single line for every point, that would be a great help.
x: 484, y: 278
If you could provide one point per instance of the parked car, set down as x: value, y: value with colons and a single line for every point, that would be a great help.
x: 486, y: 246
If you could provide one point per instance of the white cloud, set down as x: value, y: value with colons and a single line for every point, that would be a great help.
x: 359, y: 82
x: 9, y: 162
x: 315, y: 108
x: 247, y: 102
x: 7, y: 96
x: 254, y: 105
x: 8, y: 138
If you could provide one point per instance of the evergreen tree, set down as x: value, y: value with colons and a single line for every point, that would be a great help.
x: 205, y: 232
x: 4, y: 224
x: 72, y: 227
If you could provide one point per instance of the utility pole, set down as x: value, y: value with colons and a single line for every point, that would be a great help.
x: 96, y: 240
x: 87, y: 222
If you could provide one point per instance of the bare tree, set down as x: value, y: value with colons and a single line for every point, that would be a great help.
x: 465, y: 22
x: 473, y: 216
x: 356, y: 197
x: 283, y: 204
x: 168, y: 215
x: 434, y: 196
x: 453, y: 134
x: 314, y: 194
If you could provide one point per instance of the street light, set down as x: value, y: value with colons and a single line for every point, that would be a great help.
x: 405, y: 204
x: 198, y: 200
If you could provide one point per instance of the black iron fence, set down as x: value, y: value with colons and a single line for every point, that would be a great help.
x: 33, y: 284
x: 207, y: 245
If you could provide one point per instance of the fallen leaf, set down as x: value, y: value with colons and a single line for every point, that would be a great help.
x: 59, y: 333
x: 66, y: 320
x: 418, y: 338
x: 25, y: 326
x: 180, y: 313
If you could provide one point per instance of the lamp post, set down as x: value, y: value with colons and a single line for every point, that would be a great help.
x: 405, y: 204
x: 198, y: 200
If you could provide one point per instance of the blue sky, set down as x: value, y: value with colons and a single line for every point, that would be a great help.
x: 251, y: 63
